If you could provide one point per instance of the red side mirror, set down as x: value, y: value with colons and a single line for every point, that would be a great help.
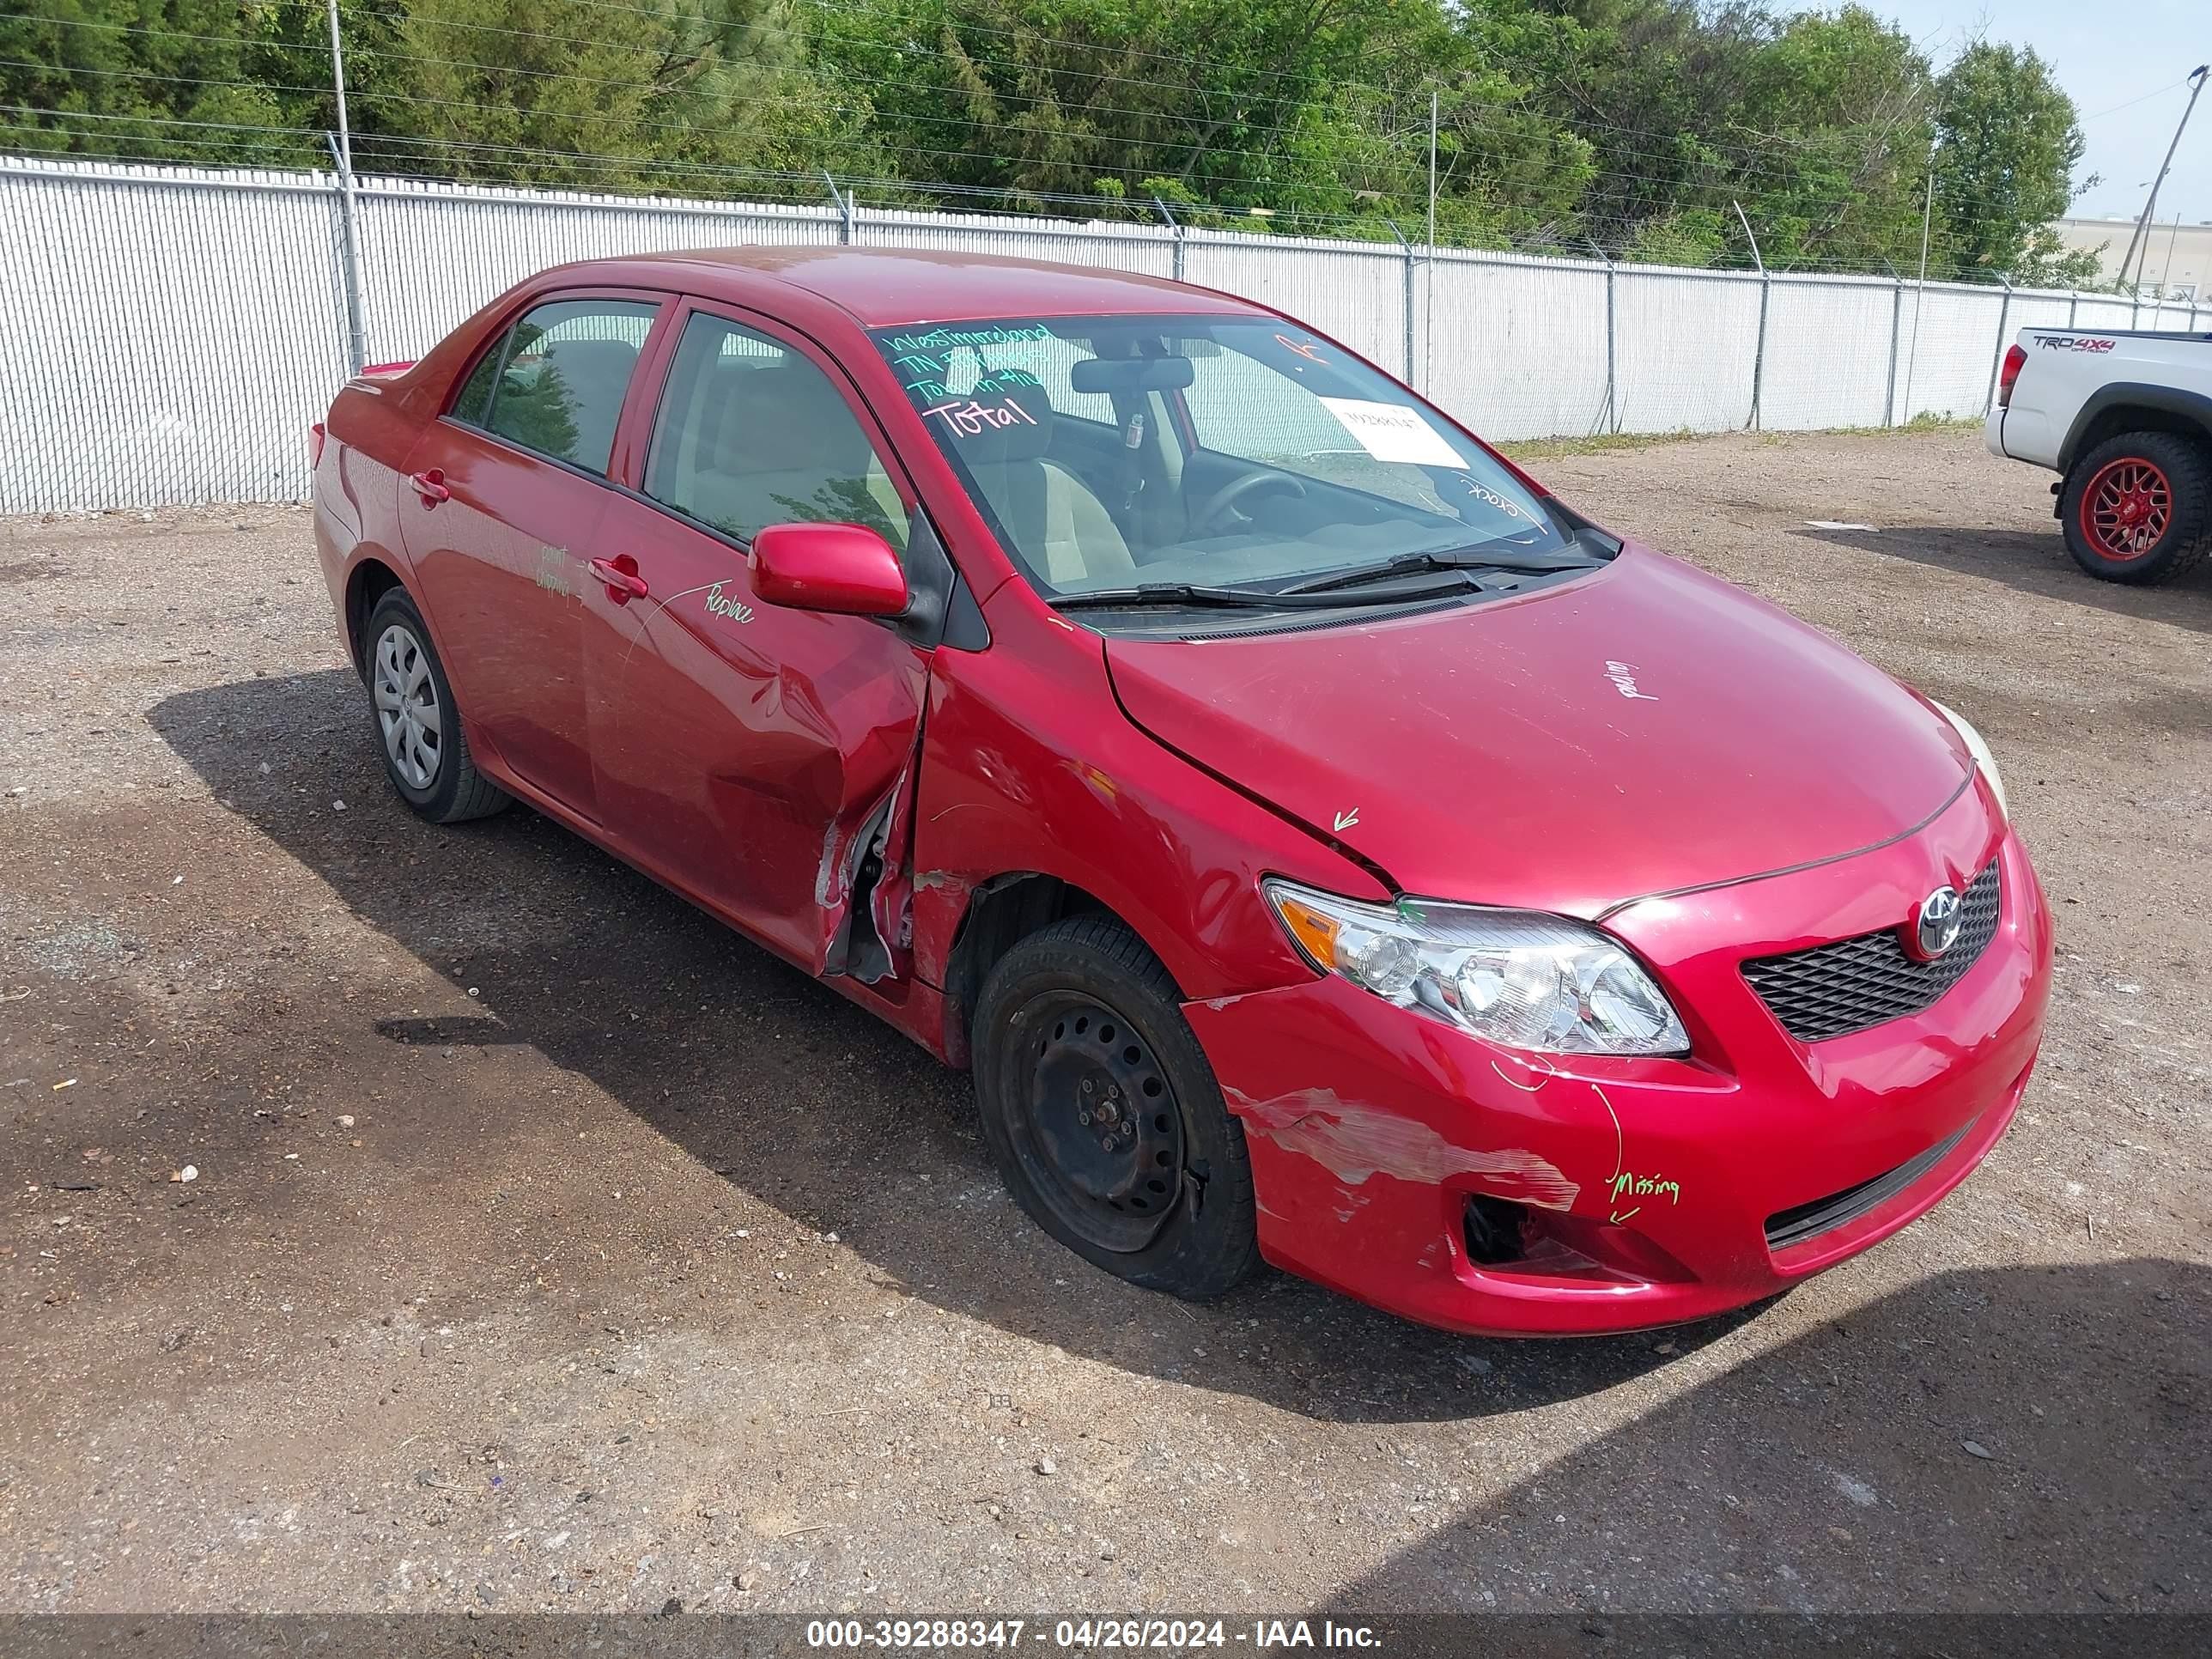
x: 847, y: 568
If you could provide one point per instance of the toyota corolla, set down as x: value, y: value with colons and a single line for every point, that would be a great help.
x: 1326, y: 846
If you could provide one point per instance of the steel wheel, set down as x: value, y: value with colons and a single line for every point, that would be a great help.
x: 2126, y: 507
x: 1075, y: 1019
x: 407, y: 713
x: 1100, y: 1133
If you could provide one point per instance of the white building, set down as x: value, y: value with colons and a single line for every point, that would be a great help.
x: 2178, y: 265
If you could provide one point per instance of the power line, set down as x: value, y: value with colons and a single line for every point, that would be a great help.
x: 587, y: 118
x: 1681, y: 179
x: 1747, y: 161
x: 147, y: 120
x: 1649, y: 183
x: 806, y: 183
x: 1541, y: 244
x: 173, y: 34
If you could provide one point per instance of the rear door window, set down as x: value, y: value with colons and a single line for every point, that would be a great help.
x: 749, y: 433
x: 554, y: 384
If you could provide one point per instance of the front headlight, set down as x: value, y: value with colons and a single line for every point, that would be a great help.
x: 1978, y: 749
x: 1516, y: 977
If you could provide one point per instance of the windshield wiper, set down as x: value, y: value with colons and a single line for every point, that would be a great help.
x: 1407, y: 564
x: 1190, y: 593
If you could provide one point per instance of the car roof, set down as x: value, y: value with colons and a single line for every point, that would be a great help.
x: 888, y: 287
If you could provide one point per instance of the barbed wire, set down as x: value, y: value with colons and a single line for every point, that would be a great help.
x: 1543, y: 243
x: 602, y: 117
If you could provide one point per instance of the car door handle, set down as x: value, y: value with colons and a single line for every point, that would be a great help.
x: 620, y: 575
x: 430, y: 485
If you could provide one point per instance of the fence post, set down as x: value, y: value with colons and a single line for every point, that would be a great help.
x: 356, y: 326
x: 1896, y: 321
x: 1406, y: 296
x: 1175, y: 229
x: 2005, y: 316
x: 1611, y: 414
x: 844, y: 202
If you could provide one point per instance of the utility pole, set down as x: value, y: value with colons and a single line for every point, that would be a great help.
x: 338, y: 80
x: 2143, y: 225
x: 1766, y: 286
x: 1432, y: 172
x: 2166, y: 266
x: 1429, y: 325
x: 1926, y: 213
x: 1920, y: 294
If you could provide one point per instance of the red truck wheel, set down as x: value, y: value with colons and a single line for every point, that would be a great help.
x: 2135, y: 507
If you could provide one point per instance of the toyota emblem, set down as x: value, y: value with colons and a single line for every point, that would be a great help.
x: 1940, y: 918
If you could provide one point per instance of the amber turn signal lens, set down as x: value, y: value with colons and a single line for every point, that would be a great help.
x: 1314, y: 933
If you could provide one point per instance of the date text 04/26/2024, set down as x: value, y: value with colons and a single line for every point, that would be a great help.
x: 1155, y: 1635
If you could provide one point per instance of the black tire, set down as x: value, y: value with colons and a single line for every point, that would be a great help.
x: 2137, y: 508
x: 449, y: 789
x: 1165, y: 1199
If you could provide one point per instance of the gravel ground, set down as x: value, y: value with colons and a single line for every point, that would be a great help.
x: 551, y: 1247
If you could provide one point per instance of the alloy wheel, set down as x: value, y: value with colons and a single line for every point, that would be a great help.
x: 2126, y: 507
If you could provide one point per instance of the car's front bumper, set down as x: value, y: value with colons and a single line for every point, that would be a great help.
x: 1648, y: 1185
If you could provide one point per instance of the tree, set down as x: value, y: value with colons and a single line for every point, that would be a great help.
x: 1639, y: 125
x: 545, y: 91
x: 1841, y: 101
x: 152, y: 78
x: 2005, y: 155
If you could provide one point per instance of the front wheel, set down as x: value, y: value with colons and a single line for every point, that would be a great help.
x: 2137, y: 508
x: 1102, y: 1116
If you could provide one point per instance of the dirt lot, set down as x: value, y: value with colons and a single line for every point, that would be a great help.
x: 550, y: 1247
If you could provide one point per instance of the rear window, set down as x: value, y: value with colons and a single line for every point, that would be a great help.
x: 554, y: 382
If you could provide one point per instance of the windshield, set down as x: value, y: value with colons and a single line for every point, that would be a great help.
x: 1235, y: 452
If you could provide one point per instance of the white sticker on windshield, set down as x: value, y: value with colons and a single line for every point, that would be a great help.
x: 1392, y: 432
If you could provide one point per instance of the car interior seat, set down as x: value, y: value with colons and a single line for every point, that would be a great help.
x: 1052, y: 517
x: 761, y: 442
x: 595, y: 374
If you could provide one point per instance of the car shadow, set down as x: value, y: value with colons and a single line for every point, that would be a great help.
x: 2017, y: 1441
x: 780, y: 1086
x: 2033, y: 562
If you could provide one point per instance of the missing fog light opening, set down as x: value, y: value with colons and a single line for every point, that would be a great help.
x: 1495, y: 1230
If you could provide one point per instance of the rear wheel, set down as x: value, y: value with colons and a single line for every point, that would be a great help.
x: 2138, y: 507
x: 418, y: 725
x: 1102, y: 1116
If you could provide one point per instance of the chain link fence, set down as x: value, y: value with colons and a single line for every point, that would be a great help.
x: 168, y: 333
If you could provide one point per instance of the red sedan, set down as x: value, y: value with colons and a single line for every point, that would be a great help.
x: 1326, y: 846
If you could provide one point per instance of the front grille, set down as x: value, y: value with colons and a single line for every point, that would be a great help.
x: 1831, y: 990
x: 1795, y: 1226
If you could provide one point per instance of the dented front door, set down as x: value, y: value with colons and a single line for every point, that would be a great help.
x: 738, y: 748
x: 746, y: 754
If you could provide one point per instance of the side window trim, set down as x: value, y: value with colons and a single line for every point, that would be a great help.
x: 676, y: 320
x: 499, y: 373
x: 665, y: 305
x: 806, y: 346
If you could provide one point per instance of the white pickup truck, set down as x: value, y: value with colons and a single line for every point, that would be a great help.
x: 2124, y: 417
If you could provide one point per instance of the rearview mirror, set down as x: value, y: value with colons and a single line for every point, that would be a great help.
x: 1112, y: 374
x: 844, y: 568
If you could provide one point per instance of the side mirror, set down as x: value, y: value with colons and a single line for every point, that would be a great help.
x: 845, y: 569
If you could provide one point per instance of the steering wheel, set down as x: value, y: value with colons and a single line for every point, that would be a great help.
x: 1239, y: 488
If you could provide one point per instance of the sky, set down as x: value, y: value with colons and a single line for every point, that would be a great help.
x: 2123, y: 64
